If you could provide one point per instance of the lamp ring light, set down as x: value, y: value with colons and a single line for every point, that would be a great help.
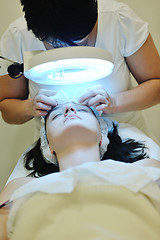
x: 69, y: 65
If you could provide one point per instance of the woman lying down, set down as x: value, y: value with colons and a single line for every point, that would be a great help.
x: 77, y: 191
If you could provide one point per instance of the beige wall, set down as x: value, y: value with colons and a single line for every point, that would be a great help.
x: 9, y: 11
x: 150, y: 11
x: 14, y: 139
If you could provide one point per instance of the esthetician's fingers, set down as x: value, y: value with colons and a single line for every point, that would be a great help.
x: 43, y: 102
x: 108, y: 107
x: 94, y: 96
x: 92, y: 92
x: 98, y: 98
x: 101, y: 103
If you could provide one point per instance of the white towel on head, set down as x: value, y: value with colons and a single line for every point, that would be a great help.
x: 62, y: 97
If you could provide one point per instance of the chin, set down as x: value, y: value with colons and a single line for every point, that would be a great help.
x: 76, y: 133
x: 81, y: 133
x: 76, y: 124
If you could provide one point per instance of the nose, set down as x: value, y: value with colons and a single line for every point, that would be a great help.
x: 69, y: 109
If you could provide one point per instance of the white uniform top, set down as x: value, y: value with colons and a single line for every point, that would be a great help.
x: 120, y: 32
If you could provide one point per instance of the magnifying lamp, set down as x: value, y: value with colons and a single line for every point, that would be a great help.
x: 69, y: 65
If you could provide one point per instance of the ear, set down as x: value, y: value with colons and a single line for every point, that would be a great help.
x: 52, y: 151
x: 100, y: 142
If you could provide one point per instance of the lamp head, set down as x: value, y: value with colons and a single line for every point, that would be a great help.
x: 67, y: 66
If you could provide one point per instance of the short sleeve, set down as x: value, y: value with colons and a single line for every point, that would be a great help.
x: 10, y: 47
x: 10, y: 44
x: 16, y: 40
x: 133, y: 31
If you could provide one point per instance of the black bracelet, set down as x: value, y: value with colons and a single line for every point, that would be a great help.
x: 5, y: 204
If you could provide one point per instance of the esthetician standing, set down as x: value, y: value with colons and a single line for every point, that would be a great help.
x: 59, y: 23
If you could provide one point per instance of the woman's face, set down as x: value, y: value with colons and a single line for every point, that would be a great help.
x: 71, y: 123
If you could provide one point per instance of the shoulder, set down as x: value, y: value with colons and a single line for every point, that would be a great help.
x: 119, y: 11
x: 111, y: 6
x: 19, y: 24
x: 13, y: 37
x: 15, y: 30
x: 129, y: 30
x: 19, y: 39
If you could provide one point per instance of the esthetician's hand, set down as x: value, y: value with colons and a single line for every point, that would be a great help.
x: 98, y: 98
x: 42, y: 102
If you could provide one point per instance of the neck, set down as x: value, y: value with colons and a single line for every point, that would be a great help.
x: 93, y: 36
x: 78, y: 156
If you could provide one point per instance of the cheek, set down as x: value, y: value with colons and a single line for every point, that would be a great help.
x: 100, y: 135
x: 53, y: 127
x: 51, y: 140
x: 93, y: 124
x: 97, y: 128
x: 53, y: 131
x: 99, y: 132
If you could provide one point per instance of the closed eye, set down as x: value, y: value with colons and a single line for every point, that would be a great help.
x: 82, y: 110
x: 58, y: 115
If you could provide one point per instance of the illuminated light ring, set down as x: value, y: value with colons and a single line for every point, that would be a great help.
x: 46, y: 69
x: 70, y: 71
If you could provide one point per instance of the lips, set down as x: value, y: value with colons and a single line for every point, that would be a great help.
x: 71, y: 116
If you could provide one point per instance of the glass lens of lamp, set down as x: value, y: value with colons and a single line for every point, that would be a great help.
x: 70, y: 71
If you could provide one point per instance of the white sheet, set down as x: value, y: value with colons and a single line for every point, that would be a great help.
x: 95, y: 176
x: 135, y: 178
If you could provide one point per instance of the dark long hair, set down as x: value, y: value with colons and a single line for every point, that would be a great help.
x: 128, y: 151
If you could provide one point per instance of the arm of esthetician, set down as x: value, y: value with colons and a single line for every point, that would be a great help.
x: 145, y: 67
x: 16, y: 107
